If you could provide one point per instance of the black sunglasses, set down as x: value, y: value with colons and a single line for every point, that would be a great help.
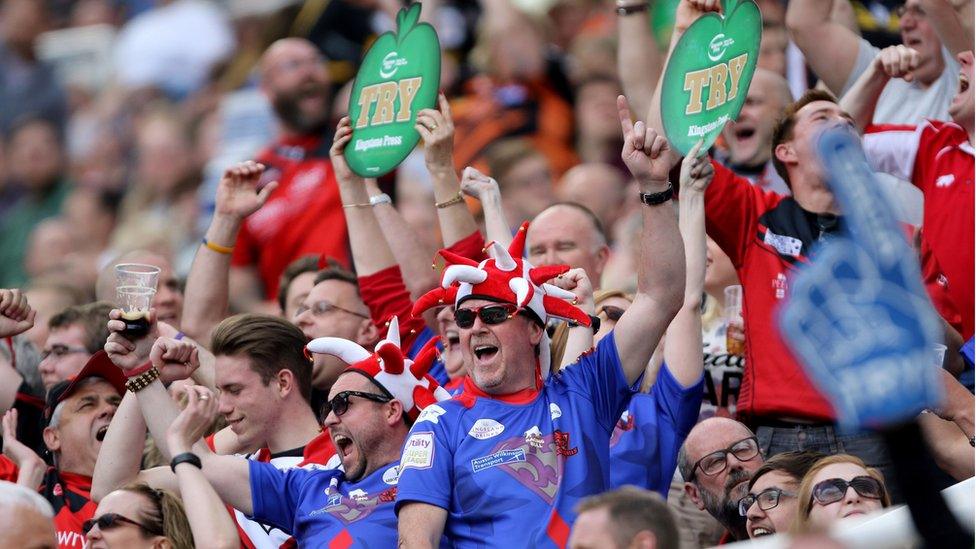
x: 108, y: 521
x: 832, y: 490
x: 340, y: 403
x: 716, y: 462
x: 767, y: 499
x: 611, y: 312
x: 489, y: 314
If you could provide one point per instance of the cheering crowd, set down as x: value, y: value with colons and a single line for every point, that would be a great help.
x: 545, y: 328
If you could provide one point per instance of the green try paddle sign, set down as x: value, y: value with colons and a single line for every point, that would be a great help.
x: 708, y: 75
x: 400, y: 75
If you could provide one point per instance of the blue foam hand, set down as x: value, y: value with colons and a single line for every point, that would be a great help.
x: 858, y: 316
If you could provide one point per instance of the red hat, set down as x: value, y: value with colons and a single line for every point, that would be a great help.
x: 98, y: 365
x: 508, y: 278
x: 406, y: 380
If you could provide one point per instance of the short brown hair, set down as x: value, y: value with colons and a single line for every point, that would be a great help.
x: 805, y: 493
x: 335, y: 271
x: 302, y: 265
x: 633, y: 510
x: 272, y: 344
x: 92, y: 317
x: 167, y: 515
x: 794, y: 464
x: 783, y: 131
x: 504, y: 154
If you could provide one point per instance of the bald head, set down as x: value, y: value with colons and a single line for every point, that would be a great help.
x: 568, y: 234
x: 296, y: 81
x: 598, y: 186
x: 26, y: 518
x: 710, y: 435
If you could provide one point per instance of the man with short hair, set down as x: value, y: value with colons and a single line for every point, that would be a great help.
x: 717, y: 460
x: 74, y: 335
x: 25, y: 518
x: 78, y: 412
x: 264, y: 381
x: 770, y: 505
x: 512, y: 456
x: 303, y: 213
x: 568, y: 233
x: 372, y: 405
x: 627, y: 517
x: 296, y: 281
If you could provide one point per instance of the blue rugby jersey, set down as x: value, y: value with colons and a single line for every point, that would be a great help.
x: 510, y: 470
x: 645, y: 442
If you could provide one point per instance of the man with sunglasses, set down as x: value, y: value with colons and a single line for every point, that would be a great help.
x: 372, y: 404
x: 506, y: 462
x: 717, y: 460
x: 770, y: 506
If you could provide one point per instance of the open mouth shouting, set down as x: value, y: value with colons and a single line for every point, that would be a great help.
x: 484, y: 353
x: 100, y: 433
x: 963, y: 83
x: 343, y: 444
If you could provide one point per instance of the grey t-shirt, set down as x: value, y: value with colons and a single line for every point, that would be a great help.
x: 906, y: 102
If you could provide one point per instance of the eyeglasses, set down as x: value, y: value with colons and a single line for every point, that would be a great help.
x: 109, y: 521
x: 832, y: 490
x: 767, y: 499
x: 904, y: 10
x: 611, y: 312
x: 59, y: 351
x: 716, y: 462
x: 340, y: 403
x: 489, y: 314
x: 320, y: 308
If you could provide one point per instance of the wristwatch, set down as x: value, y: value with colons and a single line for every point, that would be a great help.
x: 630, y: 9
x: 185, y: 457
x: 653, y: 199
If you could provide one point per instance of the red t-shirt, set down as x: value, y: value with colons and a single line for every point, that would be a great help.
x: 302, y: 216
x: 70, y: 495
x: 938, y: 159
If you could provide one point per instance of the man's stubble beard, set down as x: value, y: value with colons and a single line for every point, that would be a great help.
x: 725, y: 509
x: 286, y: 106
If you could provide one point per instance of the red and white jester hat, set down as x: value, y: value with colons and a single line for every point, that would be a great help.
x: 406, y: 380
x: 506, y: 277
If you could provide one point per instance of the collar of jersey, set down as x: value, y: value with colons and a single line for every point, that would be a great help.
x: 524, y: 396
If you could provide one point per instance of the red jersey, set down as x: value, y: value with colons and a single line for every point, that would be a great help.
x: 938, y: 159
x: 70, y: 496
x: 302, y: 216
x: 767, y: 236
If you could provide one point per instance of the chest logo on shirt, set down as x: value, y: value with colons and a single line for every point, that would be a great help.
x: 392, y: 475
x: 533, y: 437
x: 501, y: 457
x: 430, y: 413
x: 945, y: 180
x: 418, y: 451
x: 562, y: 444
x: 356, y: 506
x: 484, y: 429
x: 786, y: 245
x: 554, y: 411
x: 779, y: 286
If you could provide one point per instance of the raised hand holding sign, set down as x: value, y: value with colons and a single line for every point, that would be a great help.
x: 399, y: 76
x: 709, y: 73
x: 858, y: 317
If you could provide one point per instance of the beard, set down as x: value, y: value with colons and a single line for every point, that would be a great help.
x: 725, y: 508
x: 287, y: 105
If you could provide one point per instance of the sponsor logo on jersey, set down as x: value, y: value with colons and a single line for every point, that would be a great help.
x: 555, y: 411
x: 484, y: 429
x: 502, y: 457
x: 945, y: 180
x: 430, y: 413
x: 418, y: 451
x: 392, y: 475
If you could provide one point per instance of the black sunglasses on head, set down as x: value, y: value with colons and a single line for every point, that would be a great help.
x: 493, y: 314
x: 340, y: 402
x: 109, y: 521
x: 832, y: 490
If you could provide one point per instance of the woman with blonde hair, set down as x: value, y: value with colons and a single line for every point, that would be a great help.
x: 138, y: 516
x: 838, y: 487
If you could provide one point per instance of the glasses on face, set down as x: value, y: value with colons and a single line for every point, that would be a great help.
x: 767, y: 499
x: 58, y: 351
x: 611, y: 312
x: 489, y: 314
x: 321, y: 308
x: 904, y: 10
x: 716, y: 462
x: 832, y: 490
x: 340, y: 403
x: 109, y: 521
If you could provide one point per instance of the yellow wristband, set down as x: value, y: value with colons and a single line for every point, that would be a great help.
x: 218, y: 248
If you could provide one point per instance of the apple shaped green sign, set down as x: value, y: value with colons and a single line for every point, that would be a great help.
x: 708, y: 75
x: 400, y: 75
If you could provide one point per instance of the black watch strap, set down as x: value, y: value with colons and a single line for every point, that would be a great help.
x: 632, y: 9
x: 185, y: 457
x: 653, y: 199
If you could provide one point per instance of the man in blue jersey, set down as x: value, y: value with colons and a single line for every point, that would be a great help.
x: 506, y: 463
x: 372, y: 405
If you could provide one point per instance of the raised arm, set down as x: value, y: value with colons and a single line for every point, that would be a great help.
x: 420, y: 525
x: 661, y: 267
x: 830, y: 48
x: 640, y: 61
x: 892, y: 62
x: 30, y: 466
x: 953, y: 21
x: 16, y: 317
x: 436, y: 127
x: 579, y: 338
x: 209, y: 521
x: 683, y: 342
x: 207, y: 286
x: 478, y: 185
